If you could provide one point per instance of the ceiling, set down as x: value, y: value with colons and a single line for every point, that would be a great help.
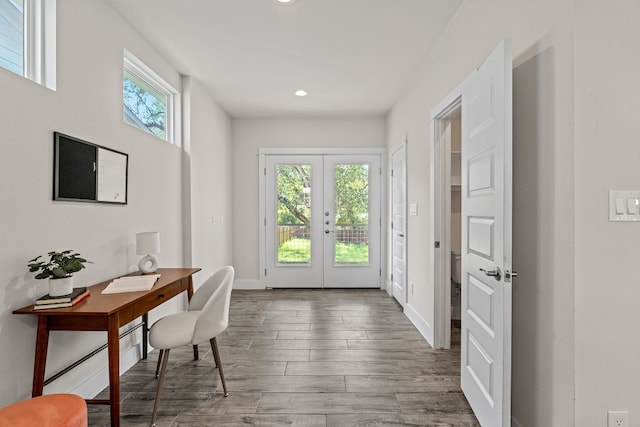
x: 354, y: 57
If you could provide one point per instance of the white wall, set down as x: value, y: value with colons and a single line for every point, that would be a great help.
x: 209, y: 151
x: 607, y: 94
x: 87, y: 104
x: 249, y: 135
x: 543, y: 347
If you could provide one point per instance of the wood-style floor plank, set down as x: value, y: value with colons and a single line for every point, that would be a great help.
x: 327, y: 403
x: 268, y: 420
x: 401, y: 420
x: 308, y: 358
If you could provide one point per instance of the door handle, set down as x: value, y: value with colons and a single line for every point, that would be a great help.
x: 493, y: 273
x: 327, y: 231
x: 400, y: 235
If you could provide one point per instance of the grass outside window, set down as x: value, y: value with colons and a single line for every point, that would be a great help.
x: 298, y: 251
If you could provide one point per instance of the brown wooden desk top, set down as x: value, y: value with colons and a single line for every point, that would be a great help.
x: 98, y: 304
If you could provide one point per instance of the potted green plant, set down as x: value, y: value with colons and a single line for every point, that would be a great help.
x: 58, y: 270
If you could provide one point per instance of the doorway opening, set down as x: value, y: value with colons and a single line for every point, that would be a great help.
x: 455, y: 215
x: 447, y: 259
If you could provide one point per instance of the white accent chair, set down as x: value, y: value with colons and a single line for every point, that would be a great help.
x: 207, y: 317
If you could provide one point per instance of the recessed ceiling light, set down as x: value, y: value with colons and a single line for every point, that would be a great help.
x: 284, y: 1
x: 301, y: 92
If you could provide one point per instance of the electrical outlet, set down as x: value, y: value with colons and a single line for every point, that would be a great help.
x: 618, y: 419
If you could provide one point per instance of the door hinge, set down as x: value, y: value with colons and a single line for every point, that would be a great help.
x: 265, y: 272
x: 392, y: 172
x: 265, y: 222
x: 437, y: 244
x: 380, y: 170
x: 380, y: 272
x: 265, y: 171
x: 392, y: 278
x: 392, y: 225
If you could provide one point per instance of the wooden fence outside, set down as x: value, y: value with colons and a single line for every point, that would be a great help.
x: 346, y: 233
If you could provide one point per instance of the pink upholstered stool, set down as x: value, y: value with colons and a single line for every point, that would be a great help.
x: 52, y: 410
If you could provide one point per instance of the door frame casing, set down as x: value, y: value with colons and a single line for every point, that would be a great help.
x: 262, y: 213
x: 440, y: 216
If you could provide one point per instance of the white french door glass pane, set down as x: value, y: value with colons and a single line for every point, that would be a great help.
x: 293, y: 221
x: 352, y: 221
x: 293, y: 214
x: 351, y: 214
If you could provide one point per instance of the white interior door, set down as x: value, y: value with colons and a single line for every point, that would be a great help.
x: 352, y: 221
x: 293, y: 221
x: 398, y: 224
x: 322, y: 221
x: 486, y: 239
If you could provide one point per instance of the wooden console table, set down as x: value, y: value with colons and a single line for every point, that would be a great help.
x: 106, y: 313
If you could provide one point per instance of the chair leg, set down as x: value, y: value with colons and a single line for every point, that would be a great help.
x: 159, y: 362
x: 163, y: 370
x: 216, y: 356
x: 195, y: 352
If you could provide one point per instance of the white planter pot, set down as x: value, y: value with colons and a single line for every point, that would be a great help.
x: 58, y: 287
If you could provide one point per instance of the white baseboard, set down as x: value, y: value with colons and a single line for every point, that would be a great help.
x: 419, y: 322
x: 247, y: 284
x: 97, y: 382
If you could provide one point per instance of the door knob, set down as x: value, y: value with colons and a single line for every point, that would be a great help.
x: 327, y: 222
x: 493, y: 273
x: 400, y: 235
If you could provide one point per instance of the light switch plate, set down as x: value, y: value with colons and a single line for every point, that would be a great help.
x: 624, y: 205
x: 413, y: 209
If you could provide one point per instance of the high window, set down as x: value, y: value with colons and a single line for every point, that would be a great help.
x: 28, y: 39
x: 149, y: 103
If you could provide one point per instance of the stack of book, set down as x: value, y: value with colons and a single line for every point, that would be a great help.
x: 48, y: 302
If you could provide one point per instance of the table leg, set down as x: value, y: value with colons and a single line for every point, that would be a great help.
x: 113, y: 341
x: 145, y: 334
x: 42, y: 344
x: 190, y: 287
x: 196, y: 356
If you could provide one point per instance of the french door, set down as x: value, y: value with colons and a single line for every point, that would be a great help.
x: 322, y: 221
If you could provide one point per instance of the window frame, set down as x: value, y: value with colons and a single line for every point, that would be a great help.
x: 139, y: 69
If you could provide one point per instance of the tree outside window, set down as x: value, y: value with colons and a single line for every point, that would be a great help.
x: 144, y: 106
